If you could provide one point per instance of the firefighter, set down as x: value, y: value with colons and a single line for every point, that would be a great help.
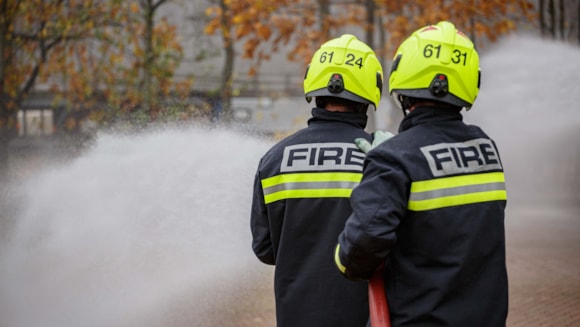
x: 302, y: 188
x: 430, y: 206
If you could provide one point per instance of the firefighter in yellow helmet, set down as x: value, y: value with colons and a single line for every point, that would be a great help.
x: 430, y: 206
x: 437, y: 63
x: 302, y: 188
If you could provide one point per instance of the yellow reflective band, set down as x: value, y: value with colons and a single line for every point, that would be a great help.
x: 302, y: 194
x: 339, y: 264
x: 447, y: 182
x: 311, y: 177
x: 457, y: 190
x: 309, y: 185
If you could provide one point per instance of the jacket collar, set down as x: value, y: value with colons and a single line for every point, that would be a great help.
x: 320, y: 115
x: 422, y: 115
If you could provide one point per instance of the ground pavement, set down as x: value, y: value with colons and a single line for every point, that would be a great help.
x: 543, y: 258
x: 543, y: 253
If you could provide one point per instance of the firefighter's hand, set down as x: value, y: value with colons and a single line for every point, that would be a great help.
x: 343, y: 270
x: 378, y: 138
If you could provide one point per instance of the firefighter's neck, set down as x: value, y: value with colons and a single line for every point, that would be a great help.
x: 422, y: 104
x: 337, y: 108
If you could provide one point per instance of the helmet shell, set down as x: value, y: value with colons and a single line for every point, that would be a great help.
x: 436, y: 62
x: 345, y: 67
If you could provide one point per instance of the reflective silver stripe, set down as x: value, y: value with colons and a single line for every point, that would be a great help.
x: 309, y: 186
x: 427, y: 195
x: 457, y: 190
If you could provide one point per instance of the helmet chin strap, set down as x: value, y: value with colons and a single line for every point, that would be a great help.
x: 406, y: 103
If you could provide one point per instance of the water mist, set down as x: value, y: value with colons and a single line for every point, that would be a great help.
x: 143, y: 230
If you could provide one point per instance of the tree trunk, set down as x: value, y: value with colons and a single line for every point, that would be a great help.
x: 471, y: 12
x: 562, y: 19
x: 4, y: 111
x: 542, y: 18
x: 383, y: 59
x: 149, y: 59
x: 552, y: 12
x: 324, y: 12
x: 228, y: 70
x: 370, y: 26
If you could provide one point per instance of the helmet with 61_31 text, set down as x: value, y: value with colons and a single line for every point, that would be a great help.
x: 437, y: 62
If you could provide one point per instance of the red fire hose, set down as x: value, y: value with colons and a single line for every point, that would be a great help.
x: 378, y: 306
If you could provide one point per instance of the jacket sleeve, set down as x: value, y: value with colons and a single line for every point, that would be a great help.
x: 259, y: 224
x: 378, y: 203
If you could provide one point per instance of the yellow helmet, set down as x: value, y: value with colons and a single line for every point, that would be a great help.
x: 346, y: 68
x: 437, y: 62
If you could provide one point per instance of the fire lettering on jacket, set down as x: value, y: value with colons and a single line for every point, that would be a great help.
x: 322, y: 156
x: 464, y: 157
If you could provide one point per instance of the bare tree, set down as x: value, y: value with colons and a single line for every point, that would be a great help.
x: 323, y: 13
x: 150, y: 7
x: 228, y: 70
x: 370, y: 26
x: 542, y: 18
x: 562, y: 19
x: 552, y: 13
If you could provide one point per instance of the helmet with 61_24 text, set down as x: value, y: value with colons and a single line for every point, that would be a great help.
x: 345, y: 67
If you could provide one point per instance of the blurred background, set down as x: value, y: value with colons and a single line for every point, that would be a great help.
x: 84, y: 66
x: 130, y: 132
